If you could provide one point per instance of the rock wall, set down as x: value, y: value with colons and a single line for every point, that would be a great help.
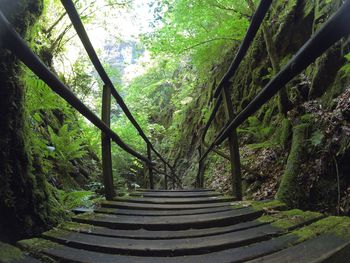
x: 26, y: 206
x: 266, y: 139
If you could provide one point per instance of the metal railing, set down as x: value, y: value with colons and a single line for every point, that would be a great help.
x: 331, y: 32
x: 12, y: 41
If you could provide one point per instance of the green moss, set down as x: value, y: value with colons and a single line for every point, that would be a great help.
x: 287, y: 220
x: 307, y: 118
x: 9, y: 253
x: 36, y: 243
x: 74, y: 199
x: 88, y: 215
x: 57, y: 233
x: 267, y: 117
x: 339, y: 226
x: 35, y: 246
x: 290, y: 191
x: 77, y: 227
x: 285, y: 133
x: 259, y: 205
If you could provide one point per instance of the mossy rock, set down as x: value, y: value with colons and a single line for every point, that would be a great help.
x: 35, y: 246
x: 285, y: 133
x: 290, y: 191
x: 340, y: 226
x: 261, y: 205
x: 77, y: 227
x: 10, y: 253
x: 288, y: 220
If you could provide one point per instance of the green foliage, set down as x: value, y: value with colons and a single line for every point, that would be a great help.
x: 256, y: 129
x: 307, y: 118
x: 9, y: 253
x: 39, y: 96
x: 75, y: 199
x: 200, y: 30
x: 266, y: 144
x: 346, y: 68
x: 316, y: 138
x: 68, y: 145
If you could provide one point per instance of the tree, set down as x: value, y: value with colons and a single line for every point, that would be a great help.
x: 201, y: 29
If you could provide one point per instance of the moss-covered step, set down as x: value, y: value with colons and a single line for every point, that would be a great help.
x: 236, y: 246
x: 239, y: 254
x: 272, y: 204
x: 326, y: 240
x: 273, y: 233
x: 196, y: 190
x: 325, y: 248
x: 130, y: 205
x: 180, y: 246
x: 140, y: 212
x: 179, y: 200
x: 175, y: 194
x: 170, y: 222
x: 162, y: 234
x: 240, y: 232
x: 284, y: 220
x: 11, y: 254
x: 334, y: 251
x: 270, y: 226
x: 265, y: 205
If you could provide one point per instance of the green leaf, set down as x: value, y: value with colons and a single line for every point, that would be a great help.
x: 316, y: 138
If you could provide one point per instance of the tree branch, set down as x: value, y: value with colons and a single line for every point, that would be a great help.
x: 220, y: 6
x: 208, y: 41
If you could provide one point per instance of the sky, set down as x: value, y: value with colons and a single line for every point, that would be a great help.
x: 125, y: 24
x: 130, y: 25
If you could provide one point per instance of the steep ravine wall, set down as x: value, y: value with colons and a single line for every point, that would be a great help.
x: 24, y: 205
x: 29, y: 178
x: 319, y: 103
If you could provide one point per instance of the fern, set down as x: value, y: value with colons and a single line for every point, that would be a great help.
x: 68, y: 146
x: 256, y: 129
x: 76, y: 199
x: 346, y: 68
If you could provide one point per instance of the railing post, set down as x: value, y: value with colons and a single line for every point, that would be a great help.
x: 106, y: 145
x: 165, y: 178
x: 201, y: 167
x: 173, y: 178
x: 150, y: 170
x: 233, y: 146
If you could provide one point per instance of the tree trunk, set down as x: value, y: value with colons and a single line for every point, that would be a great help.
x: 290, y: 190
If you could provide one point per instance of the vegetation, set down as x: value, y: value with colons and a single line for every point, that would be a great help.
x: 296, y: 147
x: 9, y: 253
